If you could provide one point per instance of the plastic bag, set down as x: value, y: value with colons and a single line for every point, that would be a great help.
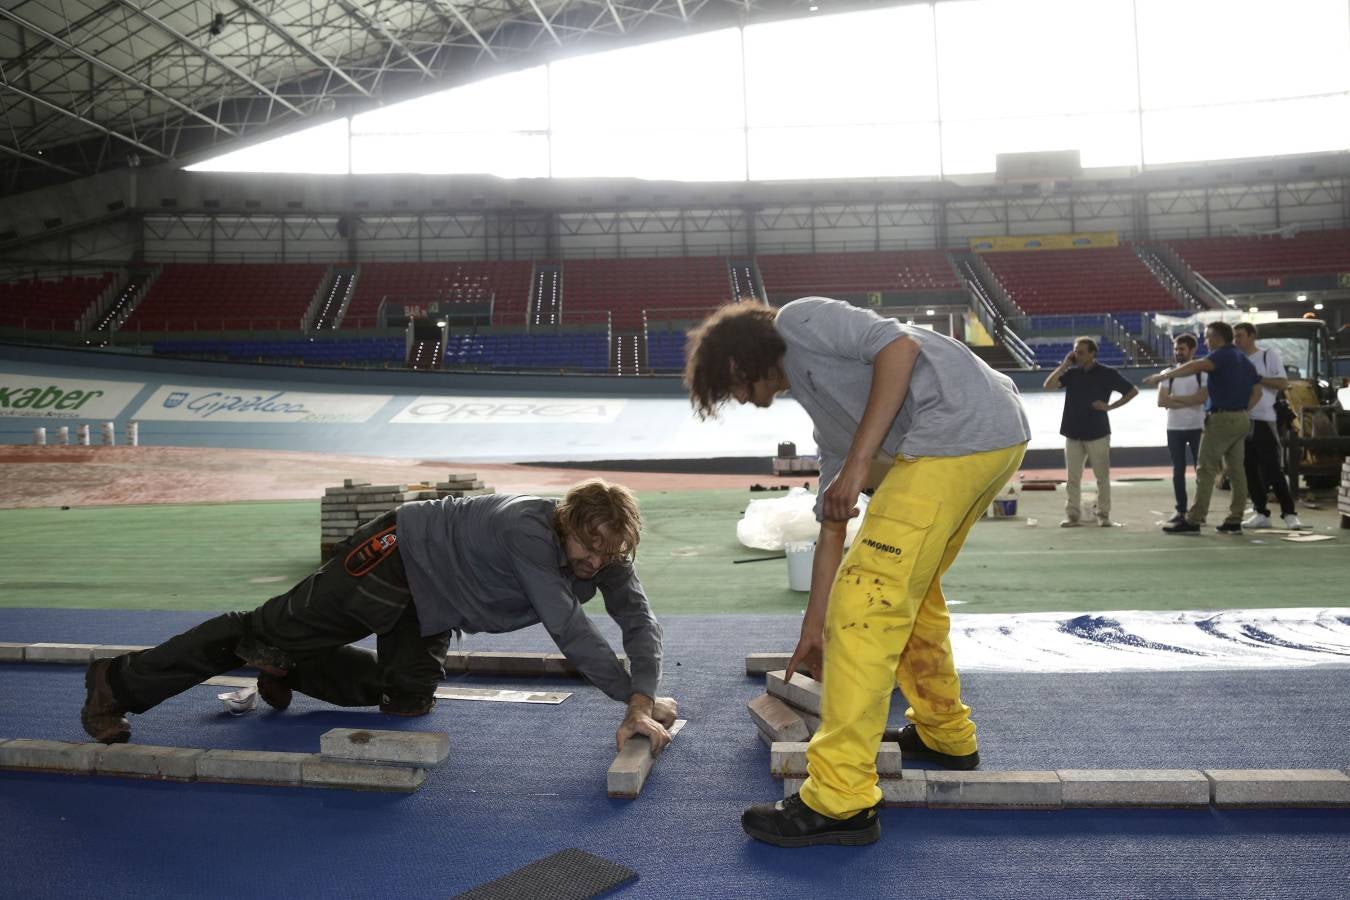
x: 768, y: 524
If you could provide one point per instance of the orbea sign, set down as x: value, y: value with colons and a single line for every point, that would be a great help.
x: 177, y: 403
x: 63, y: 398
x: 509, y: 410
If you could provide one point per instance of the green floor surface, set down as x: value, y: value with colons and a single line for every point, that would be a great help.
x: 231, y: 556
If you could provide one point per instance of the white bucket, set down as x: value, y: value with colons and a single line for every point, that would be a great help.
x: 133, y: 434
x: 40, y: 436
x: 799, y: 557
x: 109, y: 434
x: 63, y: 434
x: 82, y: 435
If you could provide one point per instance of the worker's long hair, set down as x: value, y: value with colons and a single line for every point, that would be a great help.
x: 599, y: 513
x: 739, y: 336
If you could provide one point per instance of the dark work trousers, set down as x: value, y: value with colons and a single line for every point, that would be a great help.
x: 361, y: 590
x: 1177, y: 442
x: 1265, y: 469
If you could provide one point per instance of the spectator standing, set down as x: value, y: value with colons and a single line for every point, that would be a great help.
x: 1234, y: 388
x: 1088, y: 386
x: 1264, y: 452
x: 1184, y: 399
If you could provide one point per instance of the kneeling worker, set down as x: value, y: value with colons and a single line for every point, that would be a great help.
x: 411, y: 577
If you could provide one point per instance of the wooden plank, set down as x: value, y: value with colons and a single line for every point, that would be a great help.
x: 631, y: 766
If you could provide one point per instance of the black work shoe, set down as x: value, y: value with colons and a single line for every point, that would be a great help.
x: 912, y: 745
x: 1182, y: 527
x: 274, y: 691
x: 407, y: 707
x: 1234, y: 528
x: 263, y: 657
x: 102, y: 717
x: 1179, y: 517
x: 791, y: 823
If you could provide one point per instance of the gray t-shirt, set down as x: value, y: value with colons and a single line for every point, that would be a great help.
x: 495, y: 564
x: 956, y: 404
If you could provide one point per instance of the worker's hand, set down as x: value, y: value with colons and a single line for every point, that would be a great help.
x: 841, y: 496
x: 1069, y: 359
x: 810, y: 652
x: 1100, y: 405
x: 640, y: 723
x: 664, y: 710
x: 1153, y: 379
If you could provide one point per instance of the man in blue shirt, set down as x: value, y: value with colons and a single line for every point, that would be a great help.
x: 1234, y: 388
x: 1088, y: 387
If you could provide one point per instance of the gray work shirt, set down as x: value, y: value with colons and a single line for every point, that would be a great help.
x: 495, y: 564
x: 956, y: 404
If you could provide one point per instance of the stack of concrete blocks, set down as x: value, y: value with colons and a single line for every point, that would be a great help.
x: 1343, y: 495
x: 347, y: 508
x: 514, y: 664
x: 788, y: 713
x: 508, y: 664
x: 394, y: 761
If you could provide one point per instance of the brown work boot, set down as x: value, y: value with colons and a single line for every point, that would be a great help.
x: 407, y: 706
x: 102, y: 717
x: 263, y: 657
x: 274, y: 691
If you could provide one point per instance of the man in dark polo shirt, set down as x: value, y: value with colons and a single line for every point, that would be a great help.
x: 1088, y: 386
x: 1234, y: 388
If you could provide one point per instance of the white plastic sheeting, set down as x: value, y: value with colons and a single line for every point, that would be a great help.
x: 1152, y: 641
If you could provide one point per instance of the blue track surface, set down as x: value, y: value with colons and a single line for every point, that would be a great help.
x: 524, y: 781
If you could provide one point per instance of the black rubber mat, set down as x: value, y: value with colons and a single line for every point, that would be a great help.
x: 566, y: 875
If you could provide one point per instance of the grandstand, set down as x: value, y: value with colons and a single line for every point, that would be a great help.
x: 57, y: 304
x: 286, y: 246
x: 229, y: 297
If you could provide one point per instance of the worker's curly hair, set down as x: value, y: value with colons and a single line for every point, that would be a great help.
x: 739, y: 333
x: 595, y: 504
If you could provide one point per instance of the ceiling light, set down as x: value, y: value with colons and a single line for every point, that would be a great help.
x: 1317, y: 306
x: 1302, y: 298
x: 1254, y: 309
x: 929, y: 312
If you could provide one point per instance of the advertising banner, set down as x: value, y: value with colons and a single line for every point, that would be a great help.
x: 509, y: 411
x: 35, y: 396
x: 178, y: 403
x: 1080, y: 241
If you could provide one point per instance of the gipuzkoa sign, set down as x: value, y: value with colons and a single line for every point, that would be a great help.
x: 63, y: 398
x: 508, y: 410
x: 177, y: 403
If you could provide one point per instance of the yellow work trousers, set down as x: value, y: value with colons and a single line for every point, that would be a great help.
x: 887, y: 624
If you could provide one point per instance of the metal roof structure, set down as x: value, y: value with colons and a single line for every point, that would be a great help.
x: 92, y: 85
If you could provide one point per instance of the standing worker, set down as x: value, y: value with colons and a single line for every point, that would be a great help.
x: 1265, y: 470
x: 1234, y: 388
x: 953, y: 432
x: 1184, y: 399
x: 1088, y: 386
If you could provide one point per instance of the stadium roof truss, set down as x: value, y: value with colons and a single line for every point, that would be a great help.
x: 89, y: 85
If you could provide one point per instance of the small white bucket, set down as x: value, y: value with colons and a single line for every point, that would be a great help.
x: 40, y: 436
x: 799, y: 557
